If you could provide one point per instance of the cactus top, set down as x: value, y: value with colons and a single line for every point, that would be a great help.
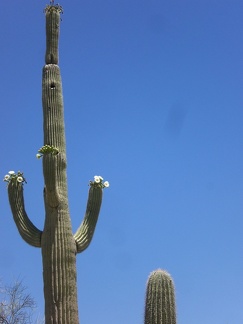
x: 52, y: 32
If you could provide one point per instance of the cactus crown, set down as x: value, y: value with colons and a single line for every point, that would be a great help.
x: 14, y: 177
x: 52, y: 8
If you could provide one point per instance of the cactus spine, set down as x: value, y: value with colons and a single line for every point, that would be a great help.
x: 59, y: 246
x: 160, y: 299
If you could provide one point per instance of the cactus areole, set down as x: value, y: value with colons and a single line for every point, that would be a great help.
x: 58, y: 244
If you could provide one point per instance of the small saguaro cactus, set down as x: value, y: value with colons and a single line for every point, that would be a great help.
x: 58, y: 244
x: 160, y: 299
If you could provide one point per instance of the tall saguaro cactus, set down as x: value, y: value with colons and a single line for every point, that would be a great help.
x: 58, y: 244
x: 160, y: 299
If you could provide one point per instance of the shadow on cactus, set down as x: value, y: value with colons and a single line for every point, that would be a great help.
x: 58, y: 244
x: 160, y: 307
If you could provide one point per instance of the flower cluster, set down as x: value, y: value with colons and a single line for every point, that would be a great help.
x: 98, y: 182
x: 12, y: 176
x: 47, y: 149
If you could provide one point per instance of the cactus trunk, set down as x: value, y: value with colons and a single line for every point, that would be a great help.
x: 58, y: 244
x: 160, y: 299
x: 59, y: 267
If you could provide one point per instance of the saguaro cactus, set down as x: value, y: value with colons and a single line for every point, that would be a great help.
x: 58, y: 244
x: 160, y: 299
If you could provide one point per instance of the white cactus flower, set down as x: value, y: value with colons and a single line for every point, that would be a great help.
x: 7, y: 177
x: 98, y: 182
x: 11, y: 172
x: 20, y: 179
x: 97, y: 179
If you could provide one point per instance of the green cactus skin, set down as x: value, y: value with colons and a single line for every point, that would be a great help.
x: 85, y: 232
x: 160, y: 299
x: 27, y: 230
x: 59, y: 246
x: 52, y: 34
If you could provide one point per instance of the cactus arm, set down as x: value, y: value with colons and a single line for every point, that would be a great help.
x: 30, y: 233
x: 160, y: 299
x: 85, y: 232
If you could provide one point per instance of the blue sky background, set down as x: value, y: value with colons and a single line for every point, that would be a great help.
x: 153, y: 103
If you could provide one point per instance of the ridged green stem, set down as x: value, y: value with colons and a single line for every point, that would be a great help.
x: 85, y: 232
x: 160, y: 305
x: 59, y: 266
x: 30, y: 233
x: 52, y: 34
x: 54, y: 166
x: 59, y: 245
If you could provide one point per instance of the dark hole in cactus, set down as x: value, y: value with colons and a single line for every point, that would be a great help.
x: 53, y: 85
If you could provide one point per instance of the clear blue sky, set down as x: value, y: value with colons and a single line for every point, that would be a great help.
x: 153, y: 103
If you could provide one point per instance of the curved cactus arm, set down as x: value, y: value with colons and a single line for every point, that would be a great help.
x: 30, y: 233
x: 85, y: 232
x: 160, y: 305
